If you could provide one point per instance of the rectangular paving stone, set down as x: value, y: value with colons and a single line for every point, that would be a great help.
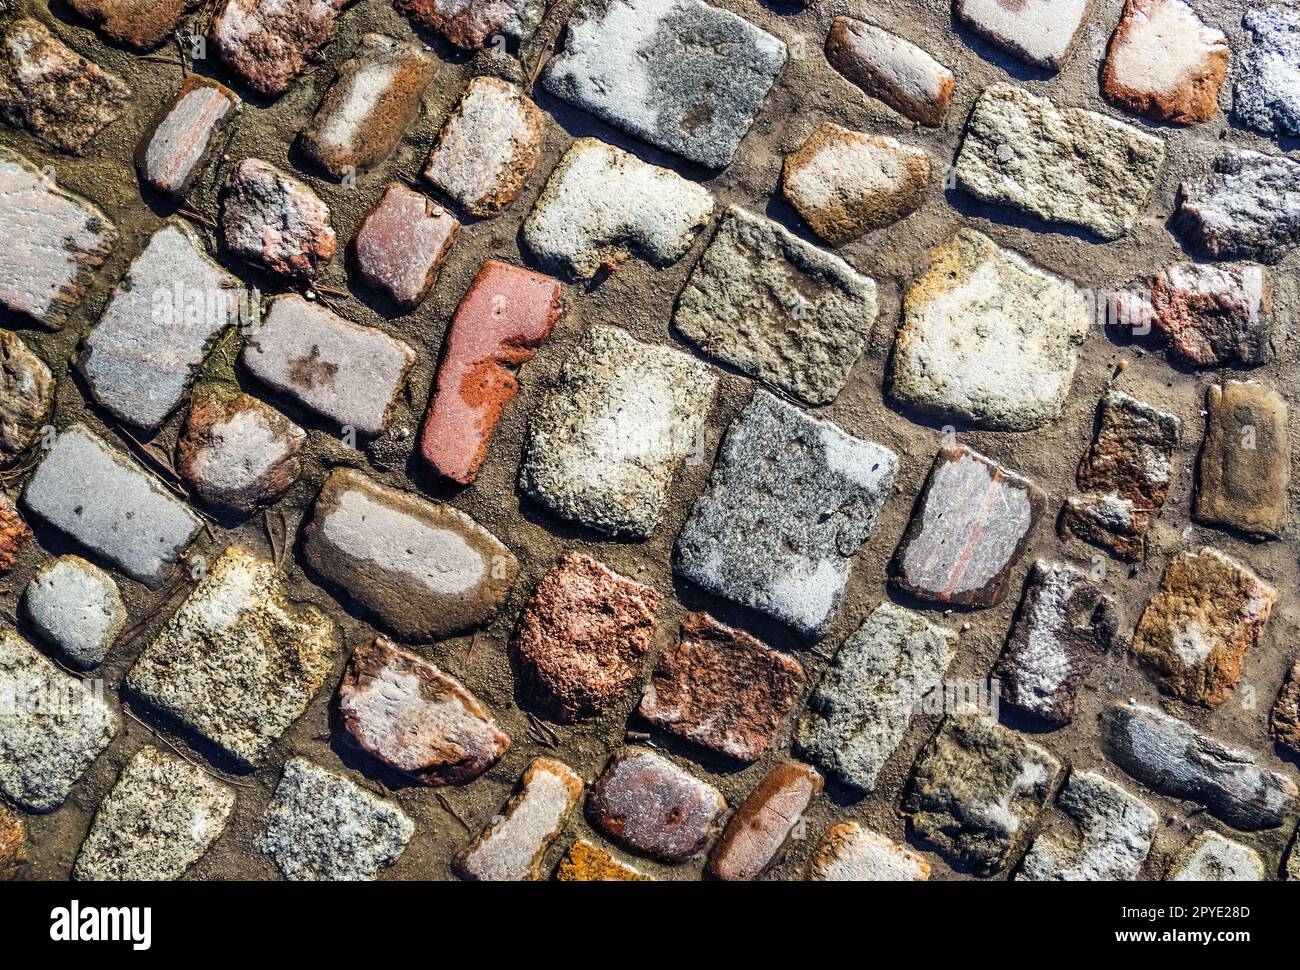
x: 1246, y: 207
x: 423, y: 570
x: 1266, y: 96
x: 275, y: 221
x: 850, y: 853
x: 1173, y: 758
x: 1064, y: 626
x: 865, y: 702
x: 1115, y: 830
x: 473, y: 23
x: 782, y: 311
x: 766, y: 822
x: 1063, y: 165
x: 606, y: 440
x: 891, y: 69
x: 1214, y: 315
x: 142, y: 24
x: 52, y: 726
x: 1244, y: 473
x: 186, y: 135
x: 237, y: 663
x: 761, y: 535
x: 343, y: 371
x: 1211, y: 858
x: 164, y: 316
x: 99, y: 496
x: 587, y: 862
x: 680, y: 74
x: 1040, y: 32
x: 162, y: 815
x: 513, y: 847
x: 267, y: 42
x: 971, y: 525
x: 1196, y: 631
x: 401, y: 243
x: 54, y: 242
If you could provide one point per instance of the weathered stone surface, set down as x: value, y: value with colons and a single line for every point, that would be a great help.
x: 54, y: 241
x: 581, y: 638
x: 142, y: 24
x: 423, y: 570
x: 680, y: 74
x: 275, y: 221
x: 13, y: 844
x: 976, y: 790
x: 513, y: 847
x: 401, y: 244
x: 320, y: 826
x: 1214, y: 315
x: 761, y: 534
x: 782, y: 311
x: 1292, y: 871
x: 1285, y: 719
x: 52, y: 91
x: 1064, y: 626
x: 647, y: 803
x: 1211, y: 858
x: 416, y: 719
x: 1196, y: 631
x: 891, y: 70
x: 165, y: 314
x: 845, y: 183
x: 864, y: 704
x: 971, y: 525
x: 1125, y: 476
x: 988, y: 338
x: 1245, y: 469
x: 850, y: 853
x: 1041, y: 32
x: 1247, y: 208
x: 765, y: 823
x: 160, y: 818
x: 26, y: 395
x: 76, y: 607
x: 605, y: 442
x: 1115, y: 833
x: 601, y: 205
x: 472, y: 23
x: 186, y: 134
x: 90, y: 491
x: 722, y: 689
x: 367, y: 109
x: 236, y: 452
x: 14, y: 533
x: 52, y: 726
x: 1174, y: 759
x: 267, y: 42
x: 1063, y: 165
x: 504, y: 316
x: 1267, y: 92
x: 343, y: 371
x: 1164, y: 63
x: 237, y: 663
x: 587, y: 862
x: 488, y: 148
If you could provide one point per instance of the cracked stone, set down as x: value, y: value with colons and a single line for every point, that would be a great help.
x: 408, y: 714
x: 581, y: 637
x: 513, y: 847
x: 1244, y: 473
x: 971, y: 525
x: 1247, y: 208
x: 1064, y: 165
x: 142, y: 24
x: 766, y: 822
x: 401, y: 244
x: 684, y: 76
x: 850, y: 853
x: 320, y: 826
x: 1043, y: 33
x: 790, y: 500
x: 862, y: 708
x: 186, y: 135
x: 587, y: 862
x: 160, y: 818
x: 977, y: 789
x: 13, y: 844
x: 1214, y: 316
x: 75, y: 606
x: 606, y: 440
x: 722, y: 689
x: 603, y: 205
x: 845, y: 183
x: 26, y: 396
x: 1115, y: 830
x: 891, y: 70
x: 988, y: 338
x: 1196, y: 631
x: 237, y: 663
x: 1285, y: 720
x: 782, y: 311
x: 1211, y: 858
x: 54, y: 242
x: 425, y: 571
x: 472, y: 24
x: 1173, y: 758
x: 275, y: 221
x: 1267, y: 93
x: 267, y: 42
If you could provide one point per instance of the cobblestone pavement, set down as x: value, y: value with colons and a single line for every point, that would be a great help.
x: 621, y: 439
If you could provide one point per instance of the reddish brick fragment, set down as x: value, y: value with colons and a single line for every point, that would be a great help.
x: 142, y: 24
x: 267, y: 42
x: 185, y: 135
x: 14, y: 532
x: 401, y: 244
x: 506, y: 313
x: 274, y: 220
x: 1214, y: 315
x: 765, y: 823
